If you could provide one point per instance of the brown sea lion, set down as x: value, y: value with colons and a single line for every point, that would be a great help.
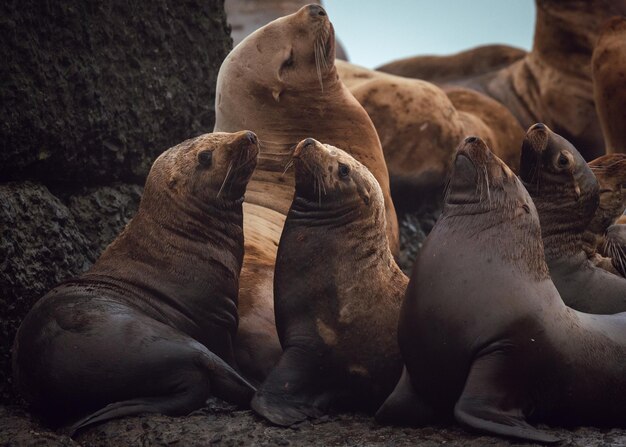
x: 337, y: 293
x: 281, y: 82
x: 150, y: 327
x: 609, y: 83
x: 552, y: 83
x: 468, y: 63
x: 610, y: 171
x: 246, y: 16
x: 494, y: 344
x: 420, y: 125
x: 566, y: 194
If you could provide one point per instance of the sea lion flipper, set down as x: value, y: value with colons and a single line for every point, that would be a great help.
x: 480, y: 404
x: 289, y: 395
x: 223, y: 381
x: 404, y: 407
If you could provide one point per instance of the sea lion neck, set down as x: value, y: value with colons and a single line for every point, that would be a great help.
x: 559, y: 44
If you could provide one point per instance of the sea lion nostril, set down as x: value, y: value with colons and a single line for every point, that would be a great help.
x: 316, y: 10
x: 471, y: 139
x: 252, y: 138
x: 308, y: 142
x: 539, y: 126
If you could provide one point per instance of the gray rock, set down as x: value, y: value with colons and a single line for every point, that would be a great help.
x: 93, y: 92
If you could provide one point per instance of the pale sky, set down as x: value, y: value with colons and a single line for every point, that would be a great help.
x: 375, y: 32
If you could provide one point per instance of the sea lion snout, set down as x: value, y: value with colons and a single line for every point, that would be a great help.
x: 316, y: 10
x: 305, y: 145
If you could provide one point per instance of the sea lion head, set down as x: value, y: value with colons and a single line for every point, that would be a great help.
x: 557, y: 177
x: 212, y: 169
x: 481, y: 182
x: 491, y: 201
x: 290, y: 53
x: 610, y: 171
x: 328, y: 177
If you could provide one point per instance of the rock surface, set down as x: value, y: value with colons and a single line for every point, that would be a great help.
x: 94, y: 91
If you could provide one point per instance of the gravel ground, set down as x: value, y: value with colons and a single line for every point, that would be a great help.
x: 219, y: 424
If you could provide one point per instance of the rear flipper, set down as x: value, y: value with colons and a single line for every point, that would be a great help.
x: 211, y: 373
x: 490, y: 402
x: 295, y: 389
x: 403, y: 407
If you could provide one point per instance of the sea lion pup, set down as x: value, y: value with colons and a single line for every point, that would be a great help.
x: 420, y: 125
x: 493, y: 343
x: 467, y: 63
x: 337, y: 293
x: 609, y: 83
x: 281, y: 83
x: 149, y: 328
x: 553, y: 82
x: 566, y: 194
x: 610, y: 171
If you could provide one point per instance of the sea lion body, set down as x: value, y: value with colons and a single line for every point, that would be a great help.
x: 337, y: 293
x: 495, y: 345
x: 610, y: 171
x: 281, y: 83
x: 469, y: 63
x: 420, y: 125
x: 149, y: 327
x: 553, y: 82
x: 609, y: 82
x: 566, y: 194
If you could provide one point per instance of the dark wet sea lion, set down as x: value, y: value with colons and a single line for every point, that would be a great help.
x: 281, y: 83
x: 609, y: 82
x: 337, y: 293
x: 610, y: 171
x: 494, y: 344
x: 150, y: 327
x: 420, y: 125
x: 553, y: 82
x: 566, y: 194
x: 468, y: 63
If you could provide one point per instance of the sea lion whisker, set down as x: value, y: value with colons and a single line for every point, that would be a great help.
x: 225, y: 178
x: 487, y: 184
x: 287, y: 166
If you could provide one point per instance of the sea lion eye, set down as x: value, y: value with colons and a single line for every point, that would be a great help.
x: 343, y: 170
x: 526, y: 208
x: 288, y: 62
x: 205, y: 158
x: 563, y: 161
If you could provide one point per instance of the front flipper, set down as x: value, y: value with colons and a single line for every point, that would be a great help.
x: 296, y: 389
x: 490, y: 401
x: 403, y: 406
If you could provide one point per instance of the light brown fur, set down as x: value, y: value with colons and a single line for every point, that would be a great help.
x: 273, y: 84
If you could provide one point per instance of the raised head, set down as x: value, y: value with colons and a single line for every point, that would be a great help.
x: 558, y: 179
x: 211, y: 170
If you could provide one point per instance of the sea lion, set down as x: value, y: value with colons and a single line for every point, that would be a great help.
x: 609, y: 83
x: 420, y: 125
x: 552, y: 83
x: 610, y: 171
x: 149, y: 327
x: 281, y: 82
x: 337, y: 293
x: 615, y: 247
x: 246, y: 16
x: 494, y: 344
x: 468, y: 63
x: 566, y: 194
